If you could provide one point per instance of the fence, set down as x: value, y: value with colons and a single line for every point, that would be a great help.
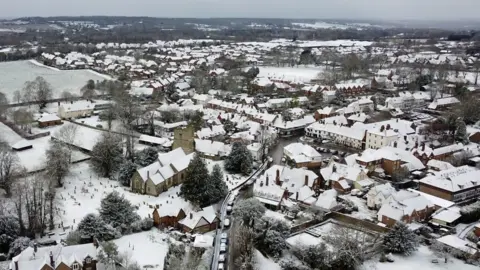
x: 22, y: 133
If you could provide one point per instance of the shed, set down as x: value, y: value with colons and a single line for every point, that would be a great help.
x: 22, y: 145
x: 47, y: 120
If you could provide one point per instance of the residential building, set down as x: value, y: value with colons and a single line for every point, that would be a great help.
x: 76, y: 109
x: 462, y: 247
x: 329, y: 95
x: 289, y: 128
x: 402, y: 127
x: 324, y: 113
x: 47, y: 120
x: 425, y: 153
x: 164, y: 173
x: 76, y: 257
x: 405, y: 206
x: 458, y: 184
x: 443, y: 103
x: 446, y: 217
x: 344, y: 178
x: 376, y: 139
x: 201, y: 221
x: 303, y: 155
x: 343, y: 135
x: 167, y: 217
x: 212, y: 149
x: 438, y: 165
x: 378, y: 194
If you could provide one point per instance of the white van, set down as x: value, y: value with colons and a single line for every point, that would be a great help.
x: 226, y: 222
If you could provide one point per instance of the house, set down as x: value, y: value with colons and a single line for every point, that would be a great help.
x: 75, y: 109
x: 476, y: 229
x: 378, y: 138
x: 213, y: 131
x: 268, y: 192
x: 443, y: 103
x: 201, y: 99
x: 343, y: 178
x: 167, y: 217
x: 343, y: 135
x: 201, y: 221
x: 438, y: 165
x: 329, y: 95
x: 289, y: 128
x: 155, y: 141
x: 76, y: 257
x: 47, y: 120
x: 426, y: 153
x: 458, y: 184
x: 324, y: 113
x: 212, y: 149
x: 405, y: 206
x: 378, y: 194
x: 255, y: 150
x: 465, y: 248
x: 303, y: 155
x: 446, y: 217
x: 164, y: 173
x: 327, y: 201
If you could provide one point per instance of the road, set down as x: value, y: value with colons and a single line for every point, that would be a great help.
x: 276, y: 152
x: 223, y: 213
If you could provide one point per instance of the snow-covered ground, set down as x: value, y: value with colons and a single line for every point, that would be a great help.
x: 232, y: 180
x: 363, y: 211
x: 294, y: 74
x: 265, y: 263
x: 277, y: 215
x: 13, y: 75
x: 94, y: 121
x: 33, y: 159
x: 147, y: 248
x: 422, y: 259
x: 320, y: 25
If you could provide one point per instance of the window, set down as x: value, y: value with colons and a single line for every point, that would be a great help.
x: 75, y: 266
x: 88, y: 260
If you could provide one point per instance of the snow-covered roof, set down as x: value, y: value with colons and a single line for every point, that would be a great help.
x: 209, y: 132
x: 440, y: 165
x: 301, y: 153
x: 46, y: 117
x: 403, y: 203
x: 327, y: 200
x: 455, y: 179
x: 337, y: 130
x: 457, y: 243
x: 212, y: 148
x: 447, y: 215
x: 77, y: 106
x: 154, y: 140
x: 195, y: 218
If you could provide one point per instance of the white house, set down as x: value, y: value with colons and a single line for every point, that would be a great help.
x: 302, y: 153
x: 351, y: 137
x: 75, y: 109
x: 377, y: 139
x: 377, y: 195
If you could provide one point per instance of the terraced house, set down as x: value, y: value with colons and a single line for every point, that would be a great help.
x: 164, y: 173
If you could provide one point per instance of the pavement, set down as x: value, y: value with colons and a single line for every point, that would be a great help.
x: 276, y: 152
x: 223, y: 214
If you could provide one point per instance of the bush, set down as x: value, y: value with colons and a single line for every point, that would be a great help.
x: 400, y: 240
x: 146, y: 224
x: 18, y: 245
x: 73, y: 238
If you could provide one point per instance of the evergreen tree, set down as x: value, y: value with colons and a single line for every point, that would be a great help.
x: 107, y: 155
x: 239, y: 160
x: 195, y: 187
x: 92, y: 226
x: 461, y: 132
x: 400, y: 240
x: 217, y: 186
x: 248, y: 210
x: 126, y: 171
x: 18, y: 245
x: 146, y: 157
x: 9, y: 231
x: 116, y: 210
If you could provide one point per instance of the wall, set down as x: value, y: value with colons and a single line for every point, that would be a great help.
x: 435, y: 192
x: 358, y: 222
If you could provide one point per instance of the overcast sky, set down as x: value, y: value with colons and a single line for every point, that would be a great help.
x: 316, y: 9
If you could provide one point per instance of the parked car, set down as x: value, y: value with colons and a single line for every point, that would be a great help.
x: 221, y: 258
x: 221, y: 266
x: 223, y: 248
x: 229, y: 209
x: 225, y: 240
x: 224, y: 235
x: 226, y: 222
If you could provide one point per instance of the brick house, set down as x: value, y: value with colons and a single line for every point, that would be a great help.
x: 167, y: 219
x: 59, y: 257
x: 425, y: 153
x: 457, y: 184
x: 48, y: 120
x: 201, y: 221
x: 405, y: 206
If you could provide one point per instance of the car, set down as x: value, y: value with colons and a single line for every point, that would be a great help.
x: 221, y: 266
x: 224, y: 235
x: 231, y: 201
x: 325, y: 141
x: 226, y: 222
x: 229, y: 209
x: 221, y: 258
x: 225, y: 240
x: 223, y: 248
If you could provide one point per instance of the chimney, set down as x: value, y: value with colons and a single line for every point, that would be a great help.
x: 382, y: 128
x: 423, y: 146
x: 416, y: 144
x: 296, y: 196
x: 334, y: 168
x: 277, y: 178
x: 35, y: 247
x: 16, y: 265
x: 267, y: 181
x: 52, y: 262
x: 388, y: 126
x: 148, y: 174
x: 395, y: 144
x: 306, y: 180
x: 191, y: 215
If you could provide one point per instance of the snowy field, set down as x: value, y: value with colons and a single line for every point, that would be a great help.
x: 147, y: 248
x: 33, y: 159
x: 422, y: 259
x: 13, y: 75
x: 94, y: 121
x: 295, y: 74
x: 320, y: 25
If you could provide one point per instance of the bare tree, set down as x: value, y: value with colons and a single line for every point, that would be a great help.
x: 38, y: 90
x: 67, y: 95
x: 10, y: 169
x: 243, y: 248
x: 23, y: 118
x: 67, y: 134
x: 476, y: 70
x: 17, y: 96
x: 3, y: 103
